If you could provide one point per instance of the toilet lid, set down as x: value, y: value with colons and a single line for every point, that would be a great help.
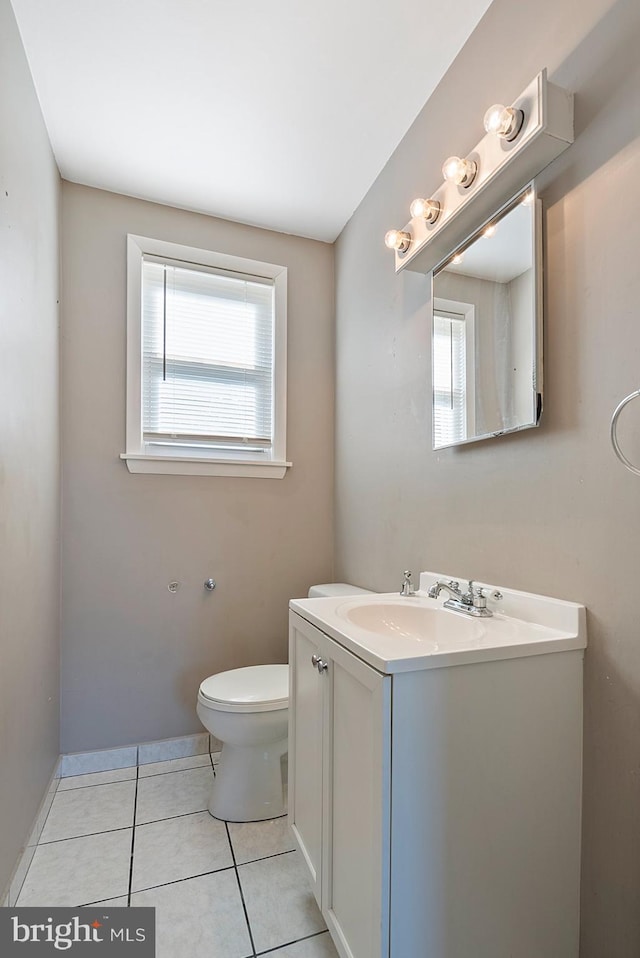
x: 259, y: 688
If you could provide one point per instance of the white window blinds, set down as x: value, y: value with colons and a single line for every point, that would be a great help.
x: 207, y: 357
x: 449, y: 379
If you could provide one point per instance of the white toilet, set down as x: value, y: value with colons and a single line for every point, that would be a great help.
x: 247, y: 710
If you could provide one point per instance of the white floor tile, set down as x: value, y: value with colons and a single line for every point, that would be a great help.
x: 182, y: 864
x: 253, y: 840
x: 320, y: 946
x: 79, y: 870
x: 179, y: 848
x: 85, y: 811
x: 109, y: 903
x: 280, y: 904
x: 21, y: 873
x: 97, y: 778
x: 175, y: 765
x: 177, y: 793
x: 199, y: 917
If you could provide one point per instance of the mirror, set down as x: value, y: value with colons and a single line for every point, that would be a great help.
x: 487, y: 329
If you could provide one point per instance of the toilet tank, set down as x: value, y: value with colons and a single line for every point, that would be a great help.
x: 335, y: 589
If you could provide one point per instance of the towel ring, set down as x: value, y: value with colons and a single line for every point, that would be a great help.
x: 614, y: 433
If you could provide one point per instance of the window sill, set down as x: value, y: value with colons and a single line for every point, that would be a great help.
x: 192, y: 466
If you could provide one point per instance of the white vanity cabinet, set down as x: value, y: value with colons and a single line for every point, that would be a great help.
x: 437, y: 804
x: 339, y: 779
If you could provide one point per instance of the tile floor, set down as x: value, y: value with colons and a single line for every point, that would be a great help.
x: 143, y: 836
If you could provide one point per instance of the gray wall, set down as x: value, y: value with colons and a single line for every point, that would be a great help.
x: 29, y: 458
x: 549, y: 510
x: 133, y: 653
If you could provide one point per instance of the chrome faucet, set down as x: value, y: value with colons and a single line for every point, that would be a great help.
x: 471, y: 602
x: 452, y: 587
x: 407, y: 585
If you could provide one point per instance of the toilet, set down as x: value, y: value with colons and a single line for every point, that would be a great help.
x: 247, y: 710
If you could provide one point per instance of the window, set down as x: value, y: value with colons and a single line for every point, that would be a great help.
x: 206, y: 362
x: 453, y: 372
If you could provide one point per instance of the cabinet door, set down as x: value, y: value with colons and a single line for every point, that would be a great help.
x: 305, y: 746
x: 356, y: 799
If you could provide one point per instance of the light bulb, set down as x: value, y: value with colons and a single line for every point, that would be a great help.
x: 504, y: 121
x: 457, y: 259
x: 427, y: 209
x: 459, y: 171
x: 398, y: 240
x: 490, y: 231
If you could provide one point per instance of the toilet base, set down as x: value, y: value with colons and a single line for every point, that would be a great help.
x: 248, y: 785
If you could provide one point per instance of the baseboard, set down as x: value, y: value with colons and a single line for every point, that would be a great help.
x: 105, y: 760
x: 11, y: 893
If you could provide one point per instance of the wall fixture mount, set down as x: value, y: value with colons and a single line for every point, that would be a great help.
x: 521, y: 140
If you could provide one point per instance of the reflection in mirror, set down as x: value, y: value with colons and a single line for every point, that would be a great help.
x: 486, y: 331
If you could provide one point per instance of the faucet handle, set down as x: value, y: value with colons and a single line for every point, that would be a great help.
x: 407, y: 584
x: 478, y: 598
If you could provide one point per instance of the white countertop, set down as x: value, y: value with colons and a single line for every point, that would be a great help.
x: 388, y: 638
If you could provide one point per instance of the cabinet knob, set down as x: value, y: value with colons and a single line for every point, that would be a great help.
x: 317, y: 662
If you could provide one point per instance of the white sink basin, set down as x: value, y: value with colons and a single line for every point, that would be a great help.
x: 413, y: 619
x: 396, y: 633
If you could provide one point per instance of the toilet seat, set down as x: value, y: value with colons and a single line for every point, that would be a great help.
x: 258, y: 688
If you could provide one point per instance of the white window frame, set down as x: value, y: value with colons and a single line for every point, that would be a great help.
x: 466, y: 312
x: 143, y: 457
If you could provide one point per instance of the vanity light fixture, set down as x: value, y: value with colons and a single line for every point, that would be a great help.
x: 429, y: 210
x: 504, y: 121
x: 525, y: 137
x: 460, y: 171
x: 398, y: 240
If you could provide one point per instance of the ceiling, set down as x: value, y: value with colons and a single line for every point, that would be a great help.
x: 277, y: 113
